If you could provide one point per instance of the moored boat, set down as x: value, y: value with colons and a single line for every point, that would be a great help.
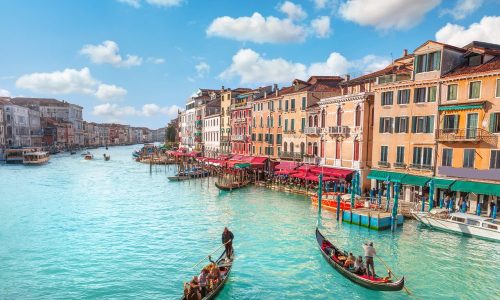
x: 225, y: 265
x: 88, y: 156
x: 178, y: 178
x: 231, y: 186
x: 36, y: 158
x: 374, y: 283
x: 461, y: 223
x: 329, y: 201
x: 107, y: 157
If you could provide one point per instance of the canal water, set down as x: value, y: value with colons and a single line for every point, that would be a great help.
x: 76, y: 229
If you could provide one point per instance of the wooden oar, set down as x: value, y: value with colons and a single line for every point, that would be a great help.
x: 382, y: 261
x: 212, y: 253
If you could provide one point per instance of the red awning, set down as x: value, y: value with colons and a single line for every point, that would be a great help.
x: 306, y: 167
x: 332, y: 172
x: 236, y: 157
x: 300, y: 175
x: 286, y: 165
x: 285, y: 172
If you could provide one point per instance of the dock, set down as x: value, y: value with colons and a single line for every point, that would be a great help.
x: 376, y: 220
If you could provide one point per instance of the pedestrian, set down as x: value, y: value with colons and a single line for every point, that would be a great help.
x: 227, y: 240
x: 369, y: 254
x: 492, y: 208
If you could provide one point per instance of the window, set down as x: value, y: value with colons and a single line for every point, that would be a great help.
x: 303, y: 106
x: 422, y: 157
x: 286, y: 125
x: 279, y: 121
x: 292, y: 104
x: 357, y: 121
x: 400, y: 155
x: 383, y: 153
x: 316, y: 121
x: 419, y: 95
x: 337, y: 149
x: 278, y: 138
x: 428, y: 62
x: 497, y: 93
x: 447, y: 157
x: 286, y: 105
x: 401, y: 124
x: 303, y: 124
x: 387, y: 98
x: 385, y: 125
x: 285, y: 147
x: 450, y: 123
x: 356, y: 150
x: 474, y: 89
x: 291, y: 147
x: 268, y: 122
x: 495, y: 122
x: 272, y: 121
x: 432, y: 94
x: 260, y: 137
x: 452, y: 92
x: 292, y: 125
x: 475, y: 60
x: 280, y: 106
x: 404, y: 96
x: 339, y: 117
x: 469, y: 158
x: 422, y: 124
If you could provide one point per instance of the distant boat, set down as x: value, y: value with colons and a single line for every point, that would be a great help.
x: 178, y: 178
x: 88, y: 156
x: 107, y: 157
x: 72, y: 152
x: 36, y: 158
x: 232, y: 186
x: 461, y: 223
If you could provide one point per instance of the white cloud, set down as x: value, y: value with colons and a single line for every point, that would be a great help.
x: 108, y: 53
x: 155, y: 60
x: 133, y: 3
x: 257, y: 29
x: 70, y: 81
x: 110, y: 92
x: 387, y: 14
x: 293, y: 11
x: 4, y: 93
x: 147, y: 110
x: 202, y: 69
x: 487, y: 30
x: 165, y: 3
x: 319, y: 4
x: 251, y: 68
x: 463, y: 8
x: 321, y: 26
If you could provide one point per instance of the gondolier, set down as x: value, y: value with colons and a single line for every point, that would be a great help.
x: 369, y: 254
x: 227, y: 240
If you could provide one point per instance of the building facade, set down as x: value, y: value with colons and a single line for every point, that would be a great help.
x: 212, y: 129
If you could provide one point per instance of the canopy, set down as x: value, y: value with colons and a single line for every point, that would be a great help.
x: 242, y: 166
x: 333, y: 172
x: 476, y: 187
x: 384, y: 175
x: 306, y: 167
x: 442, y: 183
x: 286, y: 165
x: 285, y: 172
x: 300, y: 175
x: 415, y: 180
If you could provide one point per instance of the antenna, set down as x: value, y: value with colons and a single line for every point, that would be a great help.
x: 392, y: 58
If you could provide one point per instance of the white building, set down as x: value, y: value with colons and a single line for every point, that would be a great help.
x: 17, y: 127
x: 211, y: 129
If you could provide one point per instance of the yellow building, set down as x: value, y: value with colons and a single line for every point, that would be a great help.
x: 225, y: 120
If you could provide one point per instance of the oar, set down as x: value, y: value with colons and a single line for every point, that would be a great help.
x: 211, y: 253
x: 382, y: 261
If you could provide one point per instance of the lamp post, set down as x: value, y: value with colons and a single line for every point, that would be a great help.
x: 320, y: 192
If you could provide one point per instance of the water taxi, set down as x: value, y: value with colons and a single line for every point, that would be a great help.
x: 14, y: 156
x: 36, y: 158
x: 88, y: 156
x: 462, y: 223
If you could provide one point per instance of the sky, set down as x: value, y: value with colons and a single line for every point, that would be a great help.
x: 137, y: 61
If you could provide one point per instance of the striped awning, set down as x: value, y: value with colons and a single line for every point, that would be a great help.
x: 460, y: 107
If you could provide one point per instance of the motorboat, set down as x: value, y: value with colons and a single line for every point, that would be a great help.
x: 36, y: 158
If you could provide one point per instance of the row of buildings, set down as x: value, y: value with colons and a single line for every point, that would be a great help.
x: 40, y: 122
x: 430, y: 114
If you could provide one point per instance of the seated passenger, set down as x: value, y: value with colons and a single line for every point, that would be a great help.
x: 358, y: 266
x: 389, y: 276
x: 349, y: 262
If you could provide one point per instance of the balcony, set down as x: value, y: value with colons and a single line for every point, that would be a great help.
x: 384, y: 164
x: 240, y: 138
x: 399, y: 165
x: 311, y: 159
x: 338, y: 130
x: 198, y: 124
x: 312, y: 130
x: 240, y: 120
x: 421, y: 167
x: 240, y: 106
x: 290, y: 155
x: 475, y: 135
x: 288, y: 131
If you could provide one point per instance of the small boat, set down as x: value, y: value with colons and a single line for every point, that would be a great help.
x: 178, y: 178
x: 107, y: 157
x: 225, y: 266
x: 72, y: 152
x: 232, y: 186
x: 461, y: 223
x: 88, y: 156
x: 329, y: 202
x: 36, y: 158
x: 373, y: 283
x: 85, y: 153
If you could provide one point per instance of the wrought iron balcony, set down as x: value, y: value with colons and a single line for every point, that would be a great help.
x: 338, y: 130
x: 421, y: 167
x: 311, y: 159
x: 312, y: 130
x: 240, y: 138
x: 474, y: 135
x: 290, y: 155
x: 384, y: 164
x: 399, y: 165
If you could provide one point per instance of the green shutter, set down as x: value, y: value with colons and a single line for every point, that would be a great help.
x: 437, y: 61
x: 390, y: 124
x: 431, y: 124
x: 413, y: 124
x: 493, y: 117
x: 303, y: 124
x: 381, y: 125
x: 455, y: 122
x: 397, y: 120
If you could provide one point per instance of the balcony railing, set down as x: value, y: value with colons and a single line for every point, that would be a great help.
x: 474, y: 135
x: 399, y: 165
x: 240, y: 138
x: 312, y: 130
x: 240, y: 106
x: 338, y: 130
x: 240, y: 120
x: 384, y: 164
x: 290, y: 155
x: 311, y: 159
x: 421, y: 167
x: 289, y: 131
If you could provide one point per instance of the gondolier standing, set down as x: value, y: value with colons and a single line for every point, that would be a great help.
x: 227, y: 240
x: 369, y: 254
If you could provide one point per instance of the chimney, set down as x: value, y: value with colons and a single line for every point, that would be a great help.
x: 347, y: 77
x: 405, y: 52
x: 265, y: 94
x: 222, y: 88
x: 276, y: 89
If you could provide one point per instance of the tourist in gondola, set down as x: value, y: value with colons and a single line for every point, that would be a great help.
x: 203, y: 278
x: 213, y: 278
x: 227, y: 240
x: 349, y: 262
x: 358, y: 266
x: 369, y: 254
x: 192, y: 289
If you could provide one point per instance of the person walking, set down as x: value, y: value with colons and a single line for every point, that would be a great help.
x: 227, y: 240
x: 369, y: 254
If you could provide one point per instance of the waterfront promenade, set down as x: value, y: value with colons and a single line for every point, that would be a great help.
x: 76, y: 229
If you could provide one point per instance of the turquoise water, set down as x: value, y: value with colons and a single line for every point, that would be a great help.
x: 76, y: 229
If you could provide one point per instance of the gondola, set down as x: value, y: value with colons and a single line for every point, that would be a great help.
x: 378, y: 284
x: 225, y: 269
x: 178, y: 178
x: 232, y: 186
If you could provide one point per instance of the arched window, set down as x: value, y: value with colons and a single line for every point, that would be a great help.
x: 316, y: 121
x: 279, y: 121
x: 339, y: 117
x: 315, y: 149
x: 309, y: 148
x: 310, y: 121
x: 356, y: 150
x: 261, y: 122
x: 337, y: 149
x: 323, y: 118
x: 285, y: 147
x: 302, y: 148
x: 268, y: 122
x: 291, y: 148
x: 272, y: 122
x: 358, y: 116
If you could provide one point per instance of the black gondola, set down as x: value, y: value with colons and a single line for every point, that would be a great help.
x: 378, y: 284
x: 225, y: 269
x: 232, y: 186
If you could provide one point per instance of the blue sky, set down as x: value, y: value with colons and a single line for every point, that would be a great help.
x: 135, y: 61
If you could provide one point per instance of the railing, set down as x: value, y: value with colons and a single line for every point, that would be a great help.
x: 466, y: 135
x: 240, y: 120
x: 289, y: 131
x: 399, y: 165
x: 338, y: 130
x: 312, y: 130
x: 311, y: 159
x: 290, y: 155
x: 421, y: 167
x: 240, y: 105
x: 240, y: 138
x: 384, y: 164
